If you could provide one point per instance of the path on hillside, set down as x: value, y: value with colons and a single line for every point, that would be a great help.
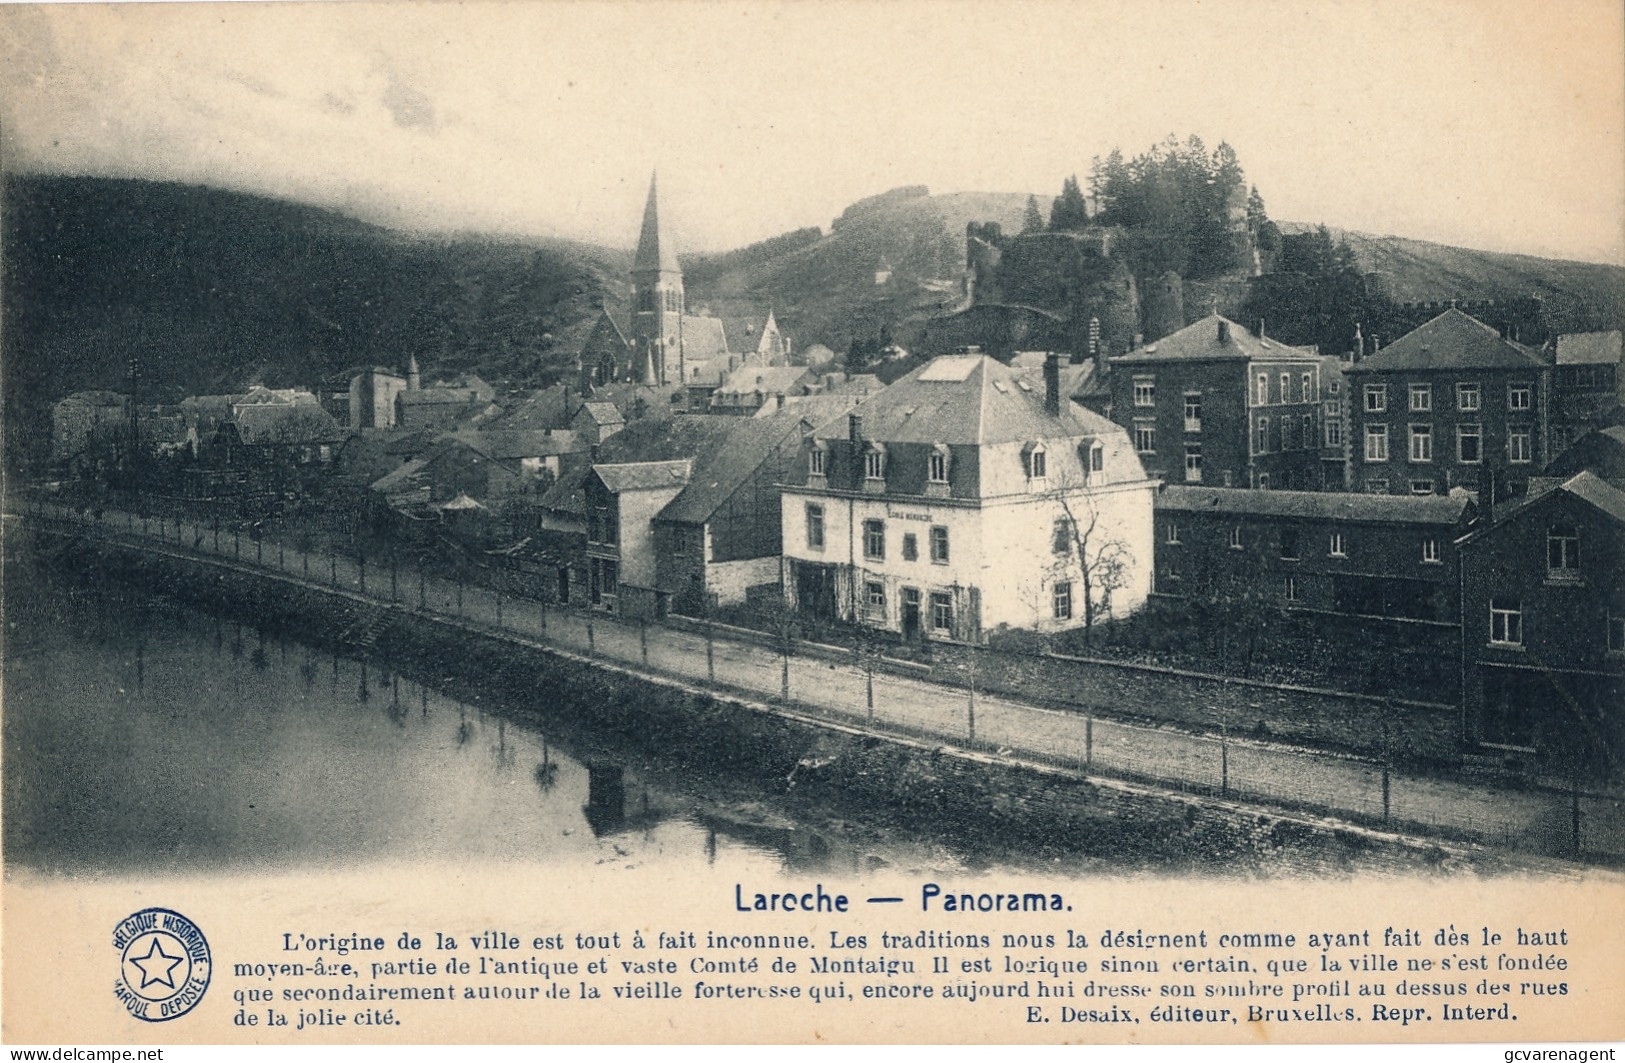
x: 1532, y: 819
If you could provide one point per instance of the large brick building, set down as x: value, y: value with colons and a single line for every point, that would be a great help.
x: 1442, y: 405
x: 1213, y: 404
x: 963, y: 498
x: 1543, y: 625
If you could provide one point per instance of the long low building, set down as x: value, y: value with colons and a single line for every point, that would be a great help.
x: 1366, y: 555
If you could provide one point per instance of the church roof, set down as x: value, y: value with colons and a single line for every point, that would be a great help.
x: 656, y: 249
x: 703, y: 338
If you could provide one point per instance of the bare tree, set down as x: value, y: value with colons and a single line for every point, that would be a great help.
x: 1100, y: 560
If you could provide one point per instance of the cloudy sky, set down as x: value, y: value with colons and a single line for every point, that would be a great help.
x: 1490, y: 123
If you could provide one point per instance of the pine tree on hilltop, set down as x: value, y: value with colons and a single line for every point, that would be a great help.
x: 1033, y: 220
x: 1069, y: 212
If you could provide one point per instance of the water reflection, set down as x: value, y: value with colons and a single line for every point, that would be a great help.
x: 140, y: 736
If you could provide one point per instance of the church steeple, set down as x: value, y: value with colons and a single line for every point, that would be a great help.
x: 657, y: 296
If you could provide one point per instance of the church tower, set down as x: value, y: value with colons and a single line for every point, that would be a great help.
x: 657, y: 301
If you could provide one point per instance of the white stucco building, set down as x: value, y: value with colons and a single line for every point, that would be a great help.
x: 964, y: 497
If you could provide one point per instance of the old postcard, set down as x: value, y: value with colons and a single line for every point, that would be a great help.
x: 703, y: 522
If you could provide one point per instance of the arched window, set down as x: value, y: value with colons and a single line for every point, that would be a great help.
x: 938, y: 464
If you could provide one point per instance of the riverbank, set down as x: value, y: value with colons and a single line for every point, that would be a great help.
x: 963, y: 794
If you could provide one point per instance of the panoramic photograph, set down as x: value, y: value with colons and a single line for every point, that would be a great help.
x: 682, y: 438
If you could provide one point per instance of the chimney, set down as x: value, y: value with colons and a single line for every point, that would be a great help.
x: 1224, y: 331
x: 1052, y: 384
x: 854, y: 427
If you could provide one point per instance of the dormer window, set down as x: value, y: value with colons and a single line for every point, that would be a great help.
x: 938, y: 464
x: 874, y: 463
x: 815, y: 461
x: 1093, y: 456
x: 1037, y: 462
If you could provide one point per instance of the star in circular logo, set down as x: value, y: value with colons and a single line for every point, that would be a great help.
x: 164, y: 964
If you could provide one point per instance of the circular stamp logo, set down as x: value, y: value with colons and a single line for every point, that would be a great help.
x: 164, y: 964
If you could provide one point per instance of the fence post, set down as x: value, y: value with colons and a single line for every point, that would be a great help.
x: 394, y: 581
x: 499, y: 608
x: 236, y: 542
x: 1088, y: 741
x: 459, y: 595
x: 869, y: 689
x: 259, y: 551
x: 970, y: 713
x: 1574, y: 807
x: 1387, y: 759
x: 361, y: 567
x: 217, y: 535
x: 1224, y: 762
x: 423, y: 592
x: 592, y: 641
x: 643, y: 641
x: 333, y: 563
x: 282, y: 554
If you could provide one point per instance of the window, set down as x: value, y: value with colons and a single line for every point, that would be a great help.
x: 1145, y: 391
x: 1263, y: 396
x: 1469, y: 444
x: 1421, y: 442
x: 1061, y: 542
x: 1287, y: 442
x: 1519, y: 396
x: 874, y: 600
x: 939, y: 545
x: 815, y: 462
x: 1334, y: 387
x: 1616, y: 633
x: 1421, y: 398
x: 1376, y: 398
x: 1261, y: 436
x: 1376, y: 442
x: 1421, y: 487
x: 1467, y: 397
x: 1037, y: 465
x: 1308, y: 431
x: 1235, y: 538
x: 911, y: 547
x: 942, y: 611
x: 1290, y: 590
x: 1518, y: 448
x: 1334, y: 433
x: 815, y: 527
x: 874, y: 540
x: 1193, y: 411
x: 1193, y: 463
x: 1337, y: 547
x: 939, y: 466
x: 1061, y: 600
x: 874, y: 464
x: 1332, y: 409
x: 1430, y: 549
x: 1286, y: 387
x: 1376, y: 487
x: 1173, y: 533
x: 1145, y: 437
x: 1097, y: 458
x: 1263, y: 481
x: 1308, y: 385
x: 1562, y: 551
x: 1506, y: 621
x: 1289, y: 544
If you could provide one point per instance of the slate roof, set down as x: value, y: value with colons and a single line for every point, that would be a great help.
x: 721, y: 470
x: 1450, y: 341
x: 968, y: 400
x: 1200, y: 342
x: 602, y: 413
x: 514, y: 444
x: 1317, y: 505
x: 643, y: 475
x: 768, y: 379
x: 287, y: 424
x: 402, y: 479
x: 656, y: 249
x: 704, y: 338
x: 647, y: 440
x: 1590, y: 348
x: 1599, y: 492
